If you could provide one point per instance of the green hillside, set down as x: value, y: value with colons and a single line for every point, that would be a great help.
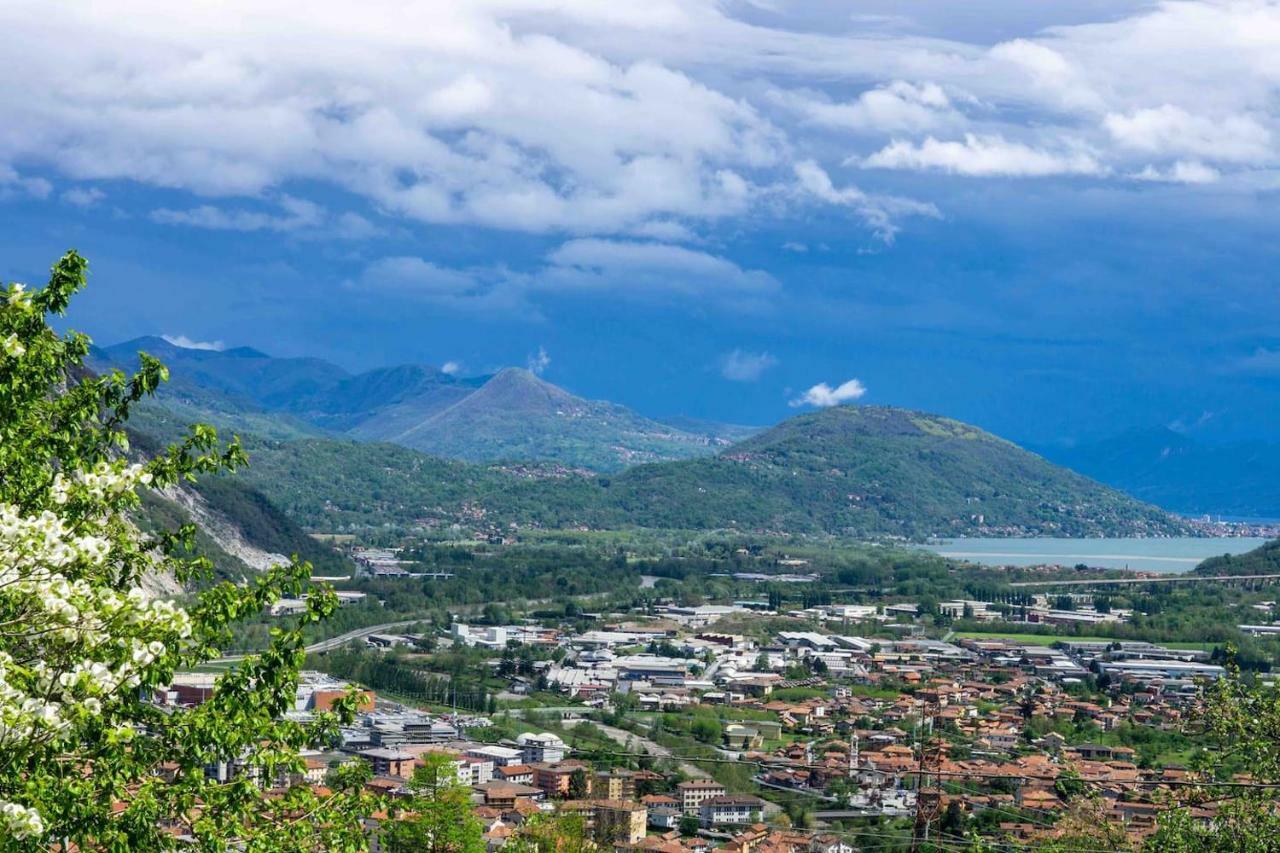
x: 516, y: 415
x: 331, y: 485
x: 856, y: 471
x: 169, y: 417
x: 266, y: 526
x: 850, y: 471
x: 233, y: 499
x: 1263, y: 560
x: 873, y: 470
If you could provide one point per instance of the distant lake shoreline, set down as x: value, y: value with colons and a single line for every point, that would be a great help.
x: 1171, y: 555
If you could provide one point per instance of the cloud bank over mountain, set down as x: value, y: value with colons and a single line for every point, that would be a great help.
x: 573, y: 118
x: 981, y: 208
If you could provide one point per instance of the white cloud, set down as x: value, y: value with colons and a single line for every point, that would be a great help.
x: 642, y: 268
x: 646, y: 120
x: 539, y: 361
x: 898, y: 106
x: 881, y: 213
x: 665, y: 230
x: 188, y: 343
x: 982, y: 156
x: 1050, y: 76
x: 353, y: 226
x: 451, y: 368
x: 11, y: 179
x: 446, y: 112
x: 413, y: 276
x: 464, y: 98
x: 1181, y: 172
x: 1174, y: 131
x: 83, y: 196
x: 741, y: 366
x: 823, y: 395
x: 295, y: 214
x: 587, y: 267
x: 795, y: 246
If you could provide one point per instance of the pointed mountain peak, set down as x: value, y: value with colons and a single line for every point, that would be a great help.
x: 147, y: 343
x: 159, y: 345
x: 518, y: 374
x: 519, y: 390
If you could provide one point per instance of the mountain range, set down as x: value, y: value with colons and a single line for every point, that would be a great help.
x: 339, y: 451
x: 1174, y: 470
x: 850, y: 471
x: 510, y: 415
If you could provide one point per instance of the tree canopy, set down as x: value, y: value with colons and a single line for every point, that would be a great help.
x: 90, y: 755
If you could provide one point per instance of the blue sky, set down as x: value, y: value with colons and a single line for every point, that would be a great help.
x: 1056, y: 220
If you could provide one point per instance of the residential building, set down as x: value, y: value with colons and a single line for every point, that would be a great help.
x: 556, y: 780
x: 541, y: 748
x: 519, y: 773
x: 615, y: 784
x: 727, y: 810
x: 619, y: 821
x: 695, y: 792
x: 503, y: 795
x: 389, y: 762
x: 501, y: 756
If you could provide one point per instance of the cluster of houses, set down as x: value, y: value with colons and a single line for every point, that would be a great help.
x: 666, y: 666
x: 511, y: 781
x: 855, y: 726
x: 991, y: 708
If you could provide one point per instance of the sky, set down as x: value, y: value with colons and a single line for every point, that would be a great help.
x: 1056, y: 220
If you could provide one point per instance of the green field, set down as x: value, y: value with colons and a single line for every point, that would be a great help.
x: 1050, y: 639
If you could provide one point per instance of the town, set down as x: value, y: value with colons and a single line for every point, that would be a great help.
x: 729, y: 727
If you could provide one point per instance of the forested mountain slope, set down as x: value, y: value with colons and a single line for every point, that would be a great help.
x: 512, y: 415
x: 1263, y: 560
x: 857, y: 471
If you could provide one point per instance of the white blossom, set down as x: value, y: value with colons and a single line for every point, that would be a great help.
x: 13, y: 347
x: 86, y: 643
x: 20, y: 821
x: 18, y: 294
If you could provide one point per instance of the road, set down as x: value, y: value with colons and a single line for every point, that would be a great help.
x: 618, y: 736
x: 342, y: 639
x: 622, y: 737
x: 457, y: 610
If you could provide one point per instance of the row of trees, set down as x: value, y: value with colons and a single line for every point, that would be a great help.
x: 391, y: 674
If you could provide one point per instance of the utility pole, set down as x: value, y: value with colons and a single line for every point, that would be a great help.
x: 928, y: 794
x: 853, y: 754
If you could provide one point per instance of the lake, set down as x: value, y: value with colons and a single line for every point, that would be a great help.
x: 1180, y: 554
